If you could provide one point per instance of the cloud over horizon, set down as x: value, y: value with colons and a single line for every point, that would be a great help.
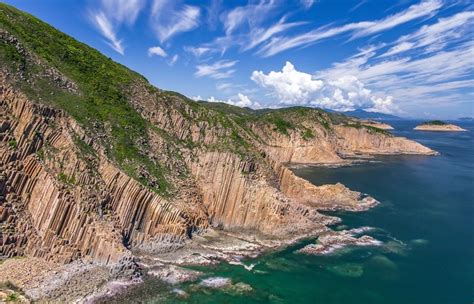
x: 346, y: 93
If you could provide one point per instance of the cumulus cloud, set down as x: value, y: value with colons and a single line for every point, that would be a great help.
x: 290, y: 85
x: 157, y: 51
x: 218, y: 70
x: 293, y: 87
x: 169, y: 19
x: 240, y: 100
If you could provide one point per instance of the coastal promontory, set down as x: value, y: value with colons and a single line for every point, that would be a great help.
x: 105, y: 179
x: 377, y: 124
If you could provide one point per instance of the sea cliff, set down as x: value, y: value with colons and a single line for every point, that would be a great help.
x: 104, y: 177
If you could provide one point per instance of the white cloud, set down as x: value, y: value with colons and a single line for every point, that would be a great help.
x: 307, y: 4
x: 107, y: 30
x: 123, y: 10
x: 260, y: 35
x: 111, y: 14
x: 423, y: 9
x: 224, y: 86
x: 250, y: 14
x: 197, y: 51
x: 218, y: 70
x: 292, y: 87
x: 168, y: 20
x: 358, y: 29
x: 241, y: 100
x: 157, y: 51
x: 248, y: 26
x: 422, y: 73
x: 399, y: 48
x: 173, y: 60
x: 452, y: 29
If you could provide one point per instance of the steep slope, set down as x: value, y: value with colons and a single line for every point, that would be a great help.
x: 97, y: 165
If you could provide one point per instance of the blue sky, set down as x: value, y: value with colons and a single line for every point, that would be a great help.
x: 410, y: 58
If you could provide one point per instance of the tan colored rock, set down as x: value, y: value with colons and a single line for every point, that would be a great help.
x: 353, y: 141
x: 377, y: 124
x: 61, y: 205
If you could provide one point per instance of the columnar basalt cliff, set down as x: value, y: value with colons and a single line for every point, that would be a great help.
x: 98, y: 165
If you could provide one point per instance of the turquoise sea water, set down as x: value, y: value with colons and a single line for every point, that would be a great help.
x: 425, y: 221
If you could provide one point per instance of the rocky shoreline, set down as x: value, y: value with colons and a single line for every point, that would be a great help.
x: 82, y: 282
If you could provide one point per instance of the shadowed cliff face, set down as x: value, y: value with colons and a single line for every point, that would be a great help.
x: 95, y: 162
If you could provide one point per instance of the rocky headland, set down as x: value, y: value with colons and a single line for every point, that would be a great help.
x: 438, y: 126
x: 377, y: 124
x: 104, y: 177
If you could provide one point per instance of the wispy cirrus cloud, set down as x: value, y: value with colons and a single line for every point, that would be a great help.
x: 456, y: 28
x: 249, y: 26
x: 250, y: 15
x: 218, y: 70
x: 169, y: 18
x: 197, y: 51
x: 259, y: 35
x: 173, y: 60
x: 109, y: 17
x: 307, y: 4
x: 358, y: 29
x: 431, y: 66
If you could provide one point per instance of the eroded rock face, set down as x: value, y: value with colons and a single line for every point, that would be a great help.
x: 57, y: 204
x: 62, y: 203
x: 354, y: 141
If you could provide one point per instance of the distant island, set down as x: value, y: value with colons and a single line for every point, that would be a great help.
x: 467, y: 118
x: 438, y: 125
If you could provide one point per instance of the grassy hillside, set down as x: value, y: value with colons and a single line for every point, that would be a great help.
x: 52, y: 68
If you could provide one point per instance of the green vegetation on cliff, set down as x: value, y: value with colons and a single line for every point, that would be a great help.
x: 99, y: 104
x: 435, y: 123
x: 54, y: 69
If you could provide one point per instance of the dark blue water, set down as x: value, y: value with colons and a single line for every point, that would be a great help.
x: 425, y: 220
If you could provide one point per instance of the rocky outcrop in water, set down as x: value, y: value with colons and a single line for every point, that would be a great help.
x: 439, y: 126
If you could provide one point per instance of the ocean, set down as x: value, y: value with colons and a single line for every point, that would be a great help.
x: 425, y: 220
